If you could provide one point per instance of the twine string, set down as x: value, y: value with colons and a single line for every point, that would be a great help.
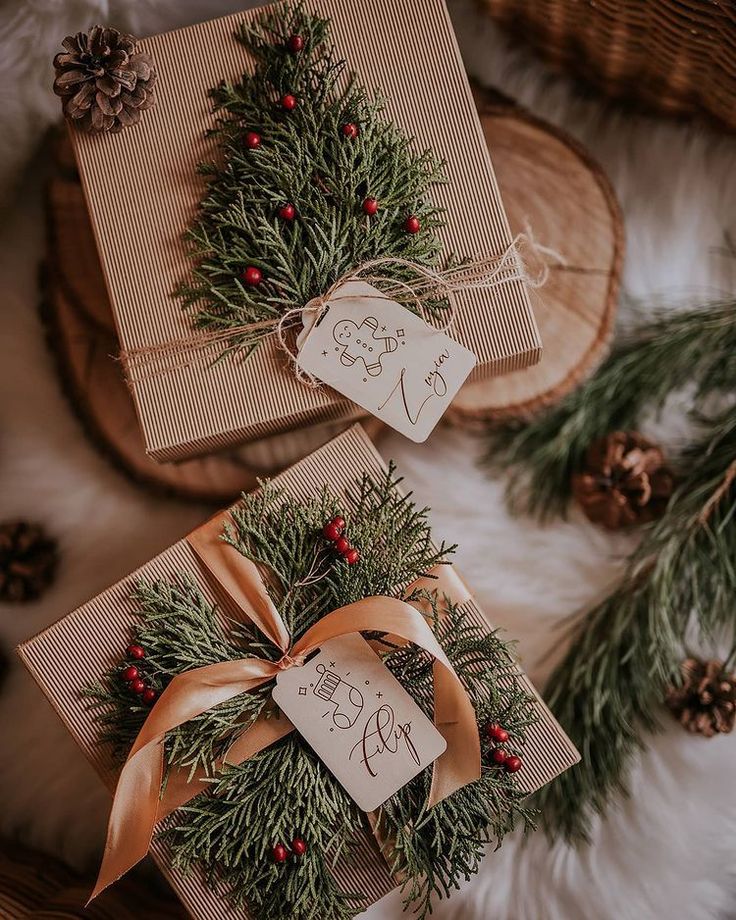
x: 524, y: 260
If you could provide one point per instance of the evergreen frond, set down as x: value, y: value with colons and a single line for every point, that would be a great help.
x: 304, y: 159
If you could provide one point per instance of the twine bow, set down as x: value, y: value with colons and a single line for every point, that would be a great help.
x: 138, y: 803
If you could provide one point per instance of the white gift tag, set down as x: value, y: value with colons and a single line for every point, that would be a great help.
x: 385, y: 358
x: 359, y: 720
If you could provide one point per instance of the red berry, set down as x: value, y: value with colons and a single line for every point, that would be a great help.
x: 342, y: 545
x: 130, y: 673
x: 279, y: 853
x: 149, y: 696
x: 350, y: 129
x: 287, y: 211
x: 136, y: 651
x: 351, y: 556
x: 497, y: 733
x: 137, y: 686
x: 412, y: 224
x: 513, y: 764
x: 296, y: 43
x: 298, y: 846
x: 331, y: 531
x: 500, y: 757
x: 338, y: 522
x: 252, y: 276
x: 370, y: 206
x: 289, y: 102
x: 252, y: 140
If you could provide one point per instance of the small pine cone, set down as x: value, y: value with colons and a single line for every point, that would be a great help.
x: 705, y: 701
x: 624, y: 481
x: 103, y: 81
x: 28, y: 559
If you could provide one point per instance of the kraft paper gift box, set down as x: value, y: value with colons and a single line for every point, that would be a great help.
x: 103, y: 627
x: 143, y: 191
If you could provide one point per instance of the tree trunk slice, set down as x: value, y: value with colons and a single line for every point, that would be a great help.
x: 81, y: 334
x: 549, y: 183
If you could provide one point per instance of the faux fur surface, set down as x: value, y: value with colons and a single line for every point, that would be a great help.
x: 665, y: 852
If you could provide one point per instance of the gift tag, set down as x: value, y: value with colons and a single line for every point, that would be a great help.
x: 385, y: 358
x: 359, y: 720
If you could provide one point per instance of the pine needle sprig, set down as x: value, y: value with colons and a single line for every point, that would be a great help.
x: 285, y: 791
x: 282, y: 793
x: 434, y: 850
x: 626, y: 651
x: 694, y: 347
x: 304, y: 159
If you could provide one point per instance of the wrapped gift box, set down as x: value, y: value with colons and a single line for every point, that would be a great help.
x: 143, y: 190
x: 103, y: 626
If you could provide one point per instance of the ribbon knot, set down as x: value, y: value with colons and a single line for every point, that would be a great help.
x: 289, y: 661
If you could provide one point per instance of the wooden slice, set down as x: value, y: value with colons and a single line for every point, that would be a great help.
x: 549, y: 183
x: 81, y: 334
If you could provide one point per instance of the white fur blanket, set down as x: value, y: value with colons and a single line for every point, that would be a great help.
x: 668, y: 850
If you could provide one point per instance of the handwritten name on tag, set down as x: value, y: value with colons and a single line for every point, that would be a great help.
x: 383, y: 357
x: 359, y: 720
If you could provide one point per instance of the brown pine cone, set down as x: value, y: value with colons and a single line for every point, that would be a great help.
x: 103, y: 81
x: 624, y: 481
x: 28, y: 559
x: 705, y: 701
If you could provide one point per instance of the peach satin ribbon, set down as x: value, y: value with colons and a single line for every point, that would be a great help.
x: 138, y: 803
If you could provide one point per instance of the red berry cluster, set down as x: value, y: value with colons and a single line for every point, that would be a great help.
x: 133, y: 676
x: 497, y: 734
x: 334, y: 532
x: 280, y: 853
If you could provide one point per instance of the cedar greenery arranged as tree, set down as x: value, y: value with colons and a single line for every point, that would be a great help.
x: 625, y: 658
x: 285, y: 792
x: 313, y: 181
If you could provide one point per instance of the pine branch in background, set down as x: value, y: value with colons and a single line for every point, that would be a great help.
x: 304, y: 148
x: 694, y: 347
x: 626, y: 652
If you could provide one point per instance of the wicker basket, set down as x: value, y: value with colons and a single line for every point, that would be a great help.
x: 677, y: 56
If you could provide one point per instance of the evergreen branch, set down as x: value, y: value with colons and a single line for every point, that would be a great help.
x: 285, y: 791
x: 627, y: 650
x: 695, y: 347
x: 306, y: 160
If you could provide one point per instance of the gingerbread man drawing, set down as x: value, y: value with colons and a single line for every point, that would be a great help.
x: 362, y: 343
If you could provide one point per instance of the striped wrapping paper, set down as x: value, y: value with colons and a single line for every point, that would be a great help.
x: 103, y: 628
x: 142, y: 192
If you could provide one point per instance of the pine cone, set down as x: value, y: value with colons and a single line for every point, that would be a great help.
x: 104, y: 83
x: 624, y: 481
x: 705, y: 702
x: 28, y: 559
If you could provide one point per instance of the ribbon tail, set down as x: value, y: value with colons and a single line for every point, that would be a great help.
x: 453, y: 713
x: 133, y: 816
x: 136, y: 805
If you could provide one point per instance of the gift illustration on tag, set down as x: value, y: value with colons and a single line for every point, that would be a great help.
x: 363, y: 343
x: 348, y: 699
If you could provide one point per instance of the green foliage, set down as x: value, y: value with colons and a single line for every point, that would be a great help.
x: 304, y: 159
x: 285, y: 791
x: 694, y: 347
x: 626, y: 651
